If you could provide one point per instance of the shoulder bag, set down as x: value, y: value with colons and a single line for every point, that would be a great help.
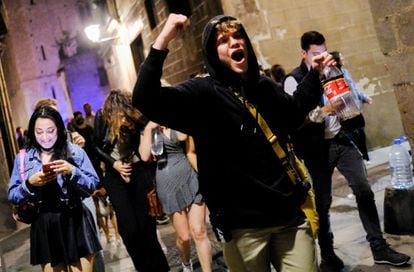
x: 27, y: 210
x: 155, y: 208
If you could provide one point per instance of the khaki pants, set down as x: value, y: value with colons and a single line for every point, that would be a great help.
x: 287, y: 248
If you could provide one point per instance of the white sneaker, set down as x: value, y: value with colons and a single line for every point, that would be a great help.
x: 188, y: 267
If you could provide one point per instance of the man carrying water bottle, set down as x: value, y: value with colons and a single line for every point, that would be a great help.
x: 324, y: 143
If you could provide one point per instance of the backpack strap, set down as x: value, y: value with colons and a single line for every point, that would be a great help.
x: 22, y: 153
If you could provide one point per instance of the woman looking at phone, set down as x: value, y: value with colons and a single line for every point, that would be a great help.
x: 58, y: 174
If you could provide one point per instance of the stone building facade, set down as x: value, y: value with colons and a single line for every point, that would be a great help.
x: 31, y: 58
x: 185, y: 56
x: 275, y: 27
x: 348, y: 26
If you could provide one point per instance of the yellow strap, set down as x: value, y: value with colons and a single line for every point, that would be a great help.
x: 309, y: 206
x: 309, y: 209
x: 272, y: 138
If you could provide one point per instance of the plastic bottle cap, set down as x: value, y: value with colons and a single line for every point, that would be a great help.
x: 397, y: 141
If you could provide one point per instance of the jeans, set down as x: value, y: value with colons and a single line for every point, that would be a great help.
x: 348, y: 160
x: 288, y: 249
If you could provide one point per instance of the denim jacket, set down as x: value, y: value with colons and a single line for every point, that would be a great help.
x: 83, y: 176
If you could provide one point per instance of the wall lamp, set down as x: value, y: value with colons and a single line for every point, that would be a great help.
x: 93, y: 33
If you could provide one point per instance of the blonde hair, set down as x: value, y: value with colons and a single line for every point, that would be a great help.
x: 228, y: 26
x: 46, y: 102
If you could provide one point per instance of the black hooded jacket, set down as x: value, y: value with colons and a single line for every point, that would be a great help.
x: 309, y: 138
x: 241, y: 178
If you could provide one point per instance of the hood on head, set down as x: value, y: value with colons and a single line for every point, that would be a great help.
x: 214, y: 66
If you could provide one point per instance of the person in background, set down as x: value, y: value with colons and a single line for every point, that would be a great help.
x: 263, y: 71
x: 360, y: 138
x: 89, y: 114
x: 80, y: 126
x: 128, y: 179
x: 76, y: 138
x: 325, y: 143
x: 278, y: 74
x: 178, y: 191
x: 63, y: 237
x: 254, y: 207
x: 20, y: 137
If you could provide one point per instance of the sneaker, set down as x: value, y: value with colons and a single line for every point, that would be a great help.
x: 331, y: 262
x: 163, y: 219
x: 187, y: 267
x: 387, y: 255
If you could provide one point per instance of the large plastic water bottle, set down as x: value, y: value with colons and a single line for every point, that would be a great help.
x: 400, y: 166
x: 403, y: 140
x: 338, y: 93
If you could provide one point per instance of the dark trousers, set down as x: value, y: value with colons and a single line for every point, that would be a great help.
x: 348, y: 160
x: 136, y: 227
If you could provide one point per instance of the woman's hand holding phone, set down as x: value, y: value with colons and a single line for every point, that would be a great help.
x: 43, y: 177
x: 47, y: 168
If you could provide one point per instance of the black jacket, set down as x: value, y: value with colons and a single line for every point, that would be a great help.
x: 308, y: 139
x: 241, y: 178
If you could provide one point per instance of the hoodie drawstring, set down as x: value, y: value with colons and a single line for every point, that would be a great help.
x: 242, y: 96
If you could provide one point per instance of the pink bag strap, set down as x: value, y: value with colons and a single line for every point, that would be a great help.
x: 22, y: 153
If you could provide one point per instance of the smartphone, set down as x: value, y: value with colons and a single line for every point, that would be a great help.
x: 46, y: 168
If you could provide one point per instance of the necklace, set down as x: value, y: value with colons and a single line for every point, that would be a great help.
x: 47, y: 151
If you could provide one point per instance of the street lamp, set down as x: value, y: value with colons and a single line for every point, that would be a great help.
x: 93, y: 33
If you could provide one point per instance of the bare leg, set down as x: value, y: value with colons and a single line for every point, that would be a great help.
x: 85, y: 265
x: 59, y: 268
x: 197, y: 220
x: 182, y: 228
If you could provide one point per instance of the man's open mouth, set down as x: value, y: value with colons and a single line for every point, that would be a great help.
x: 237, y: 55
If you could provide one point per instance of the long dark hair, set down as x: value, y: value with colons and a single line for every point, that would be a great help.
x: 60, y: 147
x: 121, y: 102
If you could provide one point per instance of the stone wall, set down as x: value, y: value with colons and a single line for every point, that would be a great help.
x: 276, y: 26
x: 393, y: 21
x: 184, y: 58
x: 185, y: 52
